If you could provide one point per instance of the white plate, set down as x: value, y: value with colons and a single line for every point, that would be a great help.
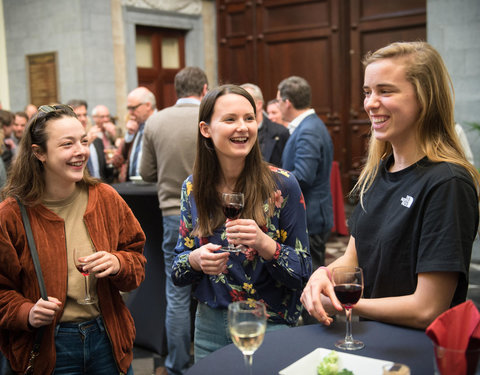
x: 357, y: 364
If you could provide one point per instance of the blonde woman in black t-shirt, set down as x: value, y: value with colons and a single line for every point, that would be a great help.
x: 414, y: 227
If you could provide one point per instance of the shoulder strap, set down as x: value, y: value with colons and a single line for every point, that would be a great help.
x: 33, y: 250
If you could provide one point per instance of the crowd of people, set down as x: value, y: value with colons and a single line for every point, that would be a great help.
x: 412, y: 231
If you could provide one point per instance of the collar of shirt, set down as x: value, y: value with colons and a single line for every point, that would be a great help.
x: 297, y: 120
x: 187, y: 101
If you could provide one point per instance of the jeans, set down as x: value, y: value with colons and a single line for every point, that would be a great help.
x: 84, y: 348
x: 211, y: 330
x: 177, y: 322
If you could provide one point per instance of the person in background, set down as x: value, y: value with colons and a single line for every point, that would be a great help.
x: 9, y: 147
x: 96, y: 165
x: 118, y: 161
x: 275, y: 262
x: 274, y: 113
x: 103, y: 127
x: 413, y: 230
x: 67, y: 209
x: 271, y: 136
x: 19, y: 124
x: 30, y: 110
x: 169, y: 145
x: 308, y: 154
x: 141, y: 104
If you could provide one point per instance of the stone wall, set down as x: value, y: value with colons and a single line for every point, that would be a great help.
x: 79, y: 31
x: 453, y: 28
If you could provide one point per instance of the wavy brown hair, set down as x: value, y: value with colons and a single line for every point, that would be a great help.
x: 426, y: 71
x: 256, y: 181
x: 26, y: 180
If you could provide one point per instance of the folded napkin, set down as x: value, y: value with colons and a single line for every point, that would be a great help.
x: 457, y: 329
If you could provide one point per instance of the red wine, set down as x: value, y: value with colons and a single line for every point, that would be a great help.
x: 348, y: 294
x: 79, y: 268
x: 232, y: 210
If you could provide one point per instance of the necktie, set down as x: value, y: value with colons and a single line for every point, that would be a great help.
x: 136, y: 151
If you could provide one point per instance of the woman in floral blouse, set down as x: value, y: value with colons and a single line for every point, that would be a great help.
x: 276, y: 263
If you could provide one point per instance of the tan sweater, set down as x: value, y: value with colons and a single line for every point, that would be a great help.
x: 71, y: 210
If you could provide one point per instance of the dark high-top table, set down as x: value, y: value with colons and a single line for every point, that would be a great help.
x: 147, y: 303
x: 283, y: 347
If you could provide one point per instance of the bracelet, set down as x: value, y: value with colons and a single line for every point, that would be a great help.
x: 329, y: 273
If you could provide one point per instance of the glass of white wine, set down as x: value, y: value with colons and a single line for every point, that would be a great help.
x: 247, y: 322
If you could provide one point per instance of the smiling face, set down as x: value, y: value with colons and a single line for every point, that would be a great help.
x: 66, y: 153
x: 390, y: 101
x: 233, y: 127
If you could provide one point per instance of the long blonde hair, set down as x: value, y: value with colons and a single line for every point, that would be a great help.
x: 426, y: 71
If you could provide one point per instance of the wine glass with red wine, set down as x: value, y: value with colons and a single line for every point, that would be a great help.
x: 348, y: 286
x: 78, y: 254
x: 232, y: 204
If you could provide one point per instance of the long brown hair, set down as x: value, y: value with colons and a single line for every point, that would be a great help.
x: 26, y: 180
x: 426, y: 71
x: 256, y: 180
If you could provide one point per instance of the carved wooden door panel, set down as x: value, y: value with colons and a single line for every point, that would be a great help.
x: 299, y: 37
x: 236, y: 42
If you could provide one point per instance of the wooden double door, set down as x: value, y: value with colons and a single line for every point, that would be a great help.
x: 323, y: 41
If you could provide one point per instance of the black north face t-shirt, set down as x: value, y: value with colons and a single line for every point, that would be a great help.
x: 420, y: 219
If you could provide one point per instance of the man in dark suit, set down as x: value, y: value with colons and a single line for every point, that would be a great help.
x: 97, y: 166
x: 271, y: 136
x: 308, y: 155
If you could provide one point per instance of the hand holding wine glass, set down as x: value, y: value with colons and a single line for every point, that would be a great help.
x: 232, y: 204
x: 79, y: 253
x: 247, y: 322
x: 348, y: 286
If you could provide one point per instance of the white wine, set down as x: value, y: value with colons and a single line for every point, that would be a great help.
x: 248, y: 336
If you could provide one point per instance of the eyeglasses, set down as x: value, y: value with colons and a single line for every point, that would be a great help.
x: 133, y: 107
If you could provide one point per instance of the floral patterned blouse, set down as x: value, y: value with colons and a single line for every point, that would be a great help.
x: 277, y: 282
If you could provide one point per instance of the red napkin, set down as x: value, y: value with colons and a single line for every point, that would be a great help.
x: 457, y: 328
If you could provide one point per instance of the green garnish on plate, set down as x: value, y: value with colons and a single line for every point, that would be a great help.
x: 329, y: 366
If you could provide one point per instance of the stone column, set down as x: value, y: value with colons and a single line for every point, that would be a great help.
x: 119, y: 61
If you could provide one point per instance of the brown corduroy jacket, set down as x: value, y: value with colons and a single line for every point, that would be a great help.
x: 112, y: 227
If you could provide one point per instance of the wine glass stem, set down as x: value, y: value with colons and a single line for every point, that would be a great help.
x: 348, y: 333
x: 248, y: 358
x: 87, y: 292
